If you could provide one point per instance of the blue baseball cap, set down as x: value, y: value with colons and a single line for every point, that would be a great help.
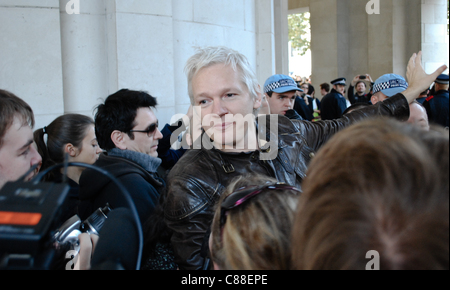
x: 390, y: 84
x: 280, y: 84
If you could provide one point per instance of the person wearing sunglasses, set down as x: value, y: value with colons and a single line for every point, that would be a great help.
x: 127, y: 129
x: 252, y: 225
x: 225, y: 92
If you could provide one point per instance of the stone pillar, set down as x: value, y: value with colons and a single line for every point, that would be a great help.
x: 84, y: 56
x: 265, y: 39
x: 281, y: 36
x: 324, y: 41
x: 434, y: 34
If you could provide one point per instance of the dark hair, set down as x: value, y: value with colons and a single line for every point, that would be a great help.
x: 70, y: 128
x: 118, y: 113
x: 358, y: 82
x: 377, y: 185
x: 10, y: 107
x: 356, y: 106
x: 310, y: 89
x: 325, y: 86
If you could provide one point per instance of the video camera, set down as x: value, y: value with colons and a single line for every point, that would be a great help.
x: 28, y: 214
x: 33, y: 235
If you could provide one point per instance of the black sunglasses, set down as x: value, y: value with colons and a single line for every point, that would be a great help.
x: 243, y: 194
x: 150, y: 130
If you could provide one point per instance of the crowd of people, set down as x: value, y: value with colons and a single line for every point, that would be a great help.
x: 288, y: 182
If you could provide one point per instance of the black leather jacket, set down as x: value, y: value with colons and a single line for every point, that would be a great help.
x: 201, y: 176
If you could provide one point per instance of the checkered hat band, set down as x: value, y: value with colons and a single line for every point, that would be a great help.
x: 397, y: 83
x: 279, y: 84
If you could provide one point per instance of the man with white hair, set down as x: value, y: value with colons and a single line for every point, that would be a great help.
x: 225, y: 90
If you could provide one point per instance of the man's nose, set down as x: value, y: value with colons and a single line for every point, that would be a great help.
x: 158, y: 135
x: 36, y: 157
x: 219, y: 108
x: 289, y: 103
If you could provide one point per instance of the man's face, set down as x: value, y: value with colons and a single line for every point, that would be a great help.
x: 281, y: 102
x: 418, y: 116
x: 340, y: 89
x: 17, y: 154
x: 142, y: 142
x: 360, y: 88
x: 221, y: 96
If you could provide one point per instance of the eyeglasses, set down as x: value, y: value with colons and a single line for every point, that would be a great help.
x: 244, y: 194
x: 150, y: 130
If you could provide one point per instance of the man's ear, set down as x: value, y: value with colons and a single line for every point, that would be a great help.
x: 71, y: 150
x: 374, y: 99
x: 118, y: 139
x: 258, y: 99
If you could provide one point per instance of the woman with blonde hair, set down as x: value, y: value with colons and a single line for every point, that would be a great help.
x: 252, y: 225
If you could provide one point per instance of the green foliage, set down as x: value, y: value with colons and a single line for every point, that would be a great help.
x: 299, y: 32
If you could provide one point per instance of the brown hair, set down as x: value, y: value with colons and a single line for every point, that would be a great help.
x: 325, y: 86
x: 69, y: 128
x: 12, y: 106
x: 256, y: 235
x: 378, y: 185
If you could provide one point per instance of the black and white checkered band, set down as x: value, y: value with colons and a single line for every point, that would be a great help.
x: 279, y: 84
x: 342, y: 82
x: 397, y: 83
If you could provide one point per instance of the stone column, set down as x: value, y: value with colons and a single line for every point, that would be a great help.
x: 281, y: 36
x: 265, y: 40
x: 84, y: 48
x: 434, y: 34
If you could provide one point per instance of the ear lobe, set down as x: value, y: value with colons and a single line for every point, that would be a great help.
x: 71, y: 150
x: 117, y: 138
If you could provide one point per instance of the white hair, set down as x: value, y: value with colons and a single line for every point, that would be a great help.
x: 208, y: 56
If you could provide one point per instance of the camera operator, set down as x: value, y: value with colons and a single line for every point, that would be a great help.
x: 357, y: 89
x: 17, y: 151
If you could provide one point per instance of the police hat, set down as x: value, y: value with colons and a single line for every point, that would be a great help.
x: 442, y: 79
x: 339, y: 81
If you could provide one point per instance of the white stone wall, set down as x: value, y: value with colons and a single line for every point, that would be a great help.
x: 30, y: 55
x: 68, y: 63
x: 434, y: 33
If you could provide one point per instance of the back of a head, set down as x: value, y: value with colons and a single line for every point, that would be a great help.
x: 118, y: 113
x: 212, y: 55
x: 325, y: 86
x: 12, y: 106
x: 379, y: 185
x: 256, y: 235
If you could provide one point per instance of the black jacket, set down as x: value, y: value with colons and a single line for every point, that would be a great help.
x: 96, y: 189
x: 437, y: 106
x: 201, y: 176
x: 333, y: 105
x: 302, y: 109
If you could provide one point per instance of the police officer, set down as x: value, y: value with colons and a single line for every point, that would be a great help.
x: 334, y: 103
x: 437, y: 104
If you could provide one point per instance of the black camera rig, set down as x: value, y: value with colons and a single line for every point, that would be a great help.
x: 31, y: 230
